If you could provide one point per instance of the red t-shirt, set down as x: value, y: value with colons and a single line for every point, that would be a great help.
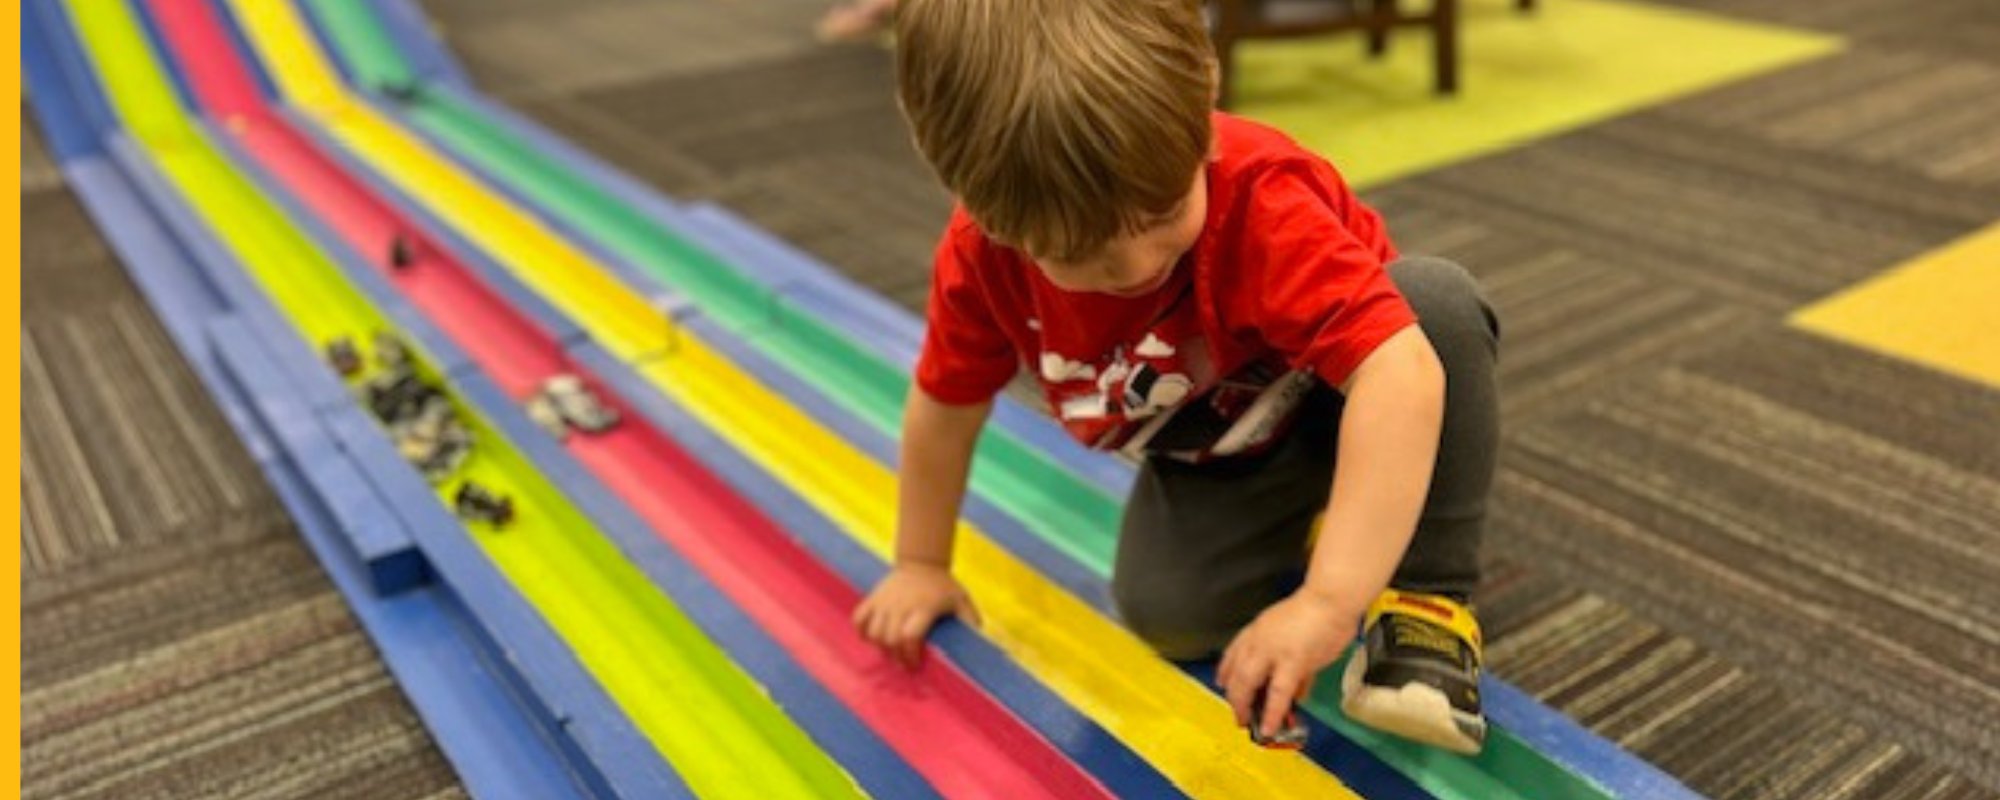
x: 1286, y: 282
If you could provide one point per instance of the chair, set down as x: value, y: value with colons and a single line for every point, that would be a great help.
x: 1237, y: 20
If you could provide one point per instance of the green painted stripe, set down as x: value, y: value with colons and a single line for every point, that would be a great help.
x: 711, y: 721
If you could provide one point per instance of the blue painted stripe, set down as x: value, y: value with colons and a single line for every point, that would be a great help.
x: 71, y: 125
x: 1584, y: 753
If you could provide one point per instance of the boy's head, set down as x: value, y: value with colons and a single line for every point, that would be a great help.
x: 1073, y: 130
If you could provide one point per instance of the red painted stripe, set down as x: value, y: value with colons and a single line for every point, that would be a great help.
x: 950, y: 731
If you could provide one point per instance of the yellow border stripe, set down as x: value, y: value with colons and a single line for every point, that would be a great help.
x: 1941, y: 310
x: 10, y: 769
x: 1177, y: 725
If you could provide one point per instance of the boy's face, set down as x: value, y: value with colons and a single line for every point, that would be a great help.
x: 1139, y: 262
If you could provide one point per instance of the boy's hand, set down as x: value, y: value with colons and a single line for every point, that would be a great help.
x: 902, y: 608
x: 1281, y: 652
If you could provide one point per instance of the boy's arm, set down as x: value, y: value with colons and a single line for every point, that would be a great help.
x: 938, y: 440
x: 1389, y: 434
x: 1388, y: 446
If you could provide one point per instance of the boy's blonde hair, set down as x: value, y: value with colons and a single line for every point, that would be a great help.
x: 1060, y: 124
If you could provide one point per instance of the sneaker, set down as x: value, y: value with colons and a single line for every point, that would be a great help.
x: 1416, y: 672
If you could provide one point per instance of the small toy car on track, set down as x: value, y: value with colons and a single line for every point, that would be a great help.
x: 344, y: 357
x: 543, y: 412
x: 403, y: 92
x: 577, y: 405
x: 390, y: 354
x: 402, y: 254
x: 476, y: 503
x: 396, y: 397
x: 433, y: 439
x: 1291, y: 733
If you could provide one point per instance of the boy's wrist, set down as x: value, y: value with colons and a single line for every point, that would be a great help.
x: 922, y: 563
x: 1337, y: 599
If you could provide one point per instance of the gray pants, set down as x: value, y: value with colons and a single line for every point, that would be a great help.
x: 1205, y: 547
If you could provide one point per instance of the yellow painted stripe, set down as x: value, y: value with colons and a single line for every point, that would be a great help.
x: 1179, y: 726
x: 1942, y: 310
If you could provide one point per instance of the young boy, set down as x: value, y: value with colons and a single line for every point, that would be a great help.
x: 1199, y: 292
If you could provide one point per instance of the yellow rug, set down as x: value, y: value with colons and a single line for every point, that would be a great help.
x: 1942, y: 309
x: 1524, y: 76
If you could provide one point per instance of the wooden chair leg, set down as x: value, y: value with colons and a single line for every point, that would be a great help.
x: 1381, y: 11
x: 1444, y: 29
x: 1228, y: 20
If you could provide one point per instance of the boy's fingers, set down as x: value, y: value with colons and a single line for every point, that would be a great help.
x: 1222, y: 667
x: 1243, y: 685
x: 1278, y: 699
x: 910, y: 639
x: 912, y: 626
x: 878, y: 628
x: 864, y: 617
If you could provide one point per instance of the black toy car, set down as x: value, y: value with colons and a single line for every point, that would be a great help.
x: 475, y: 503
x: 1291, y: 733
x: 343, y: 356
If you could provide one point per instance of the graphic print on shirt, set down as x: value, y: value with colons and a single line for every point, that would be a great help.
x: 1105, y: 399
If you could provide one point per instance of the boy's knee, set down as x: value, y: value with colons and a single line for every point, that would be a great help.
x: 1446, y: 298
x: 1177, y: 623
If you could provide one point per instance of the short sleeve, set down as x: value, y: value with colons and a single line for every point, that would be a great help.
x: 966, y: 357
x: 1312, y: 282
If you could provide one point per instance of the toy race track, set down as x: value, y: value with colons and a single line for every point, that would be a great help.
x: 677, y: 435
